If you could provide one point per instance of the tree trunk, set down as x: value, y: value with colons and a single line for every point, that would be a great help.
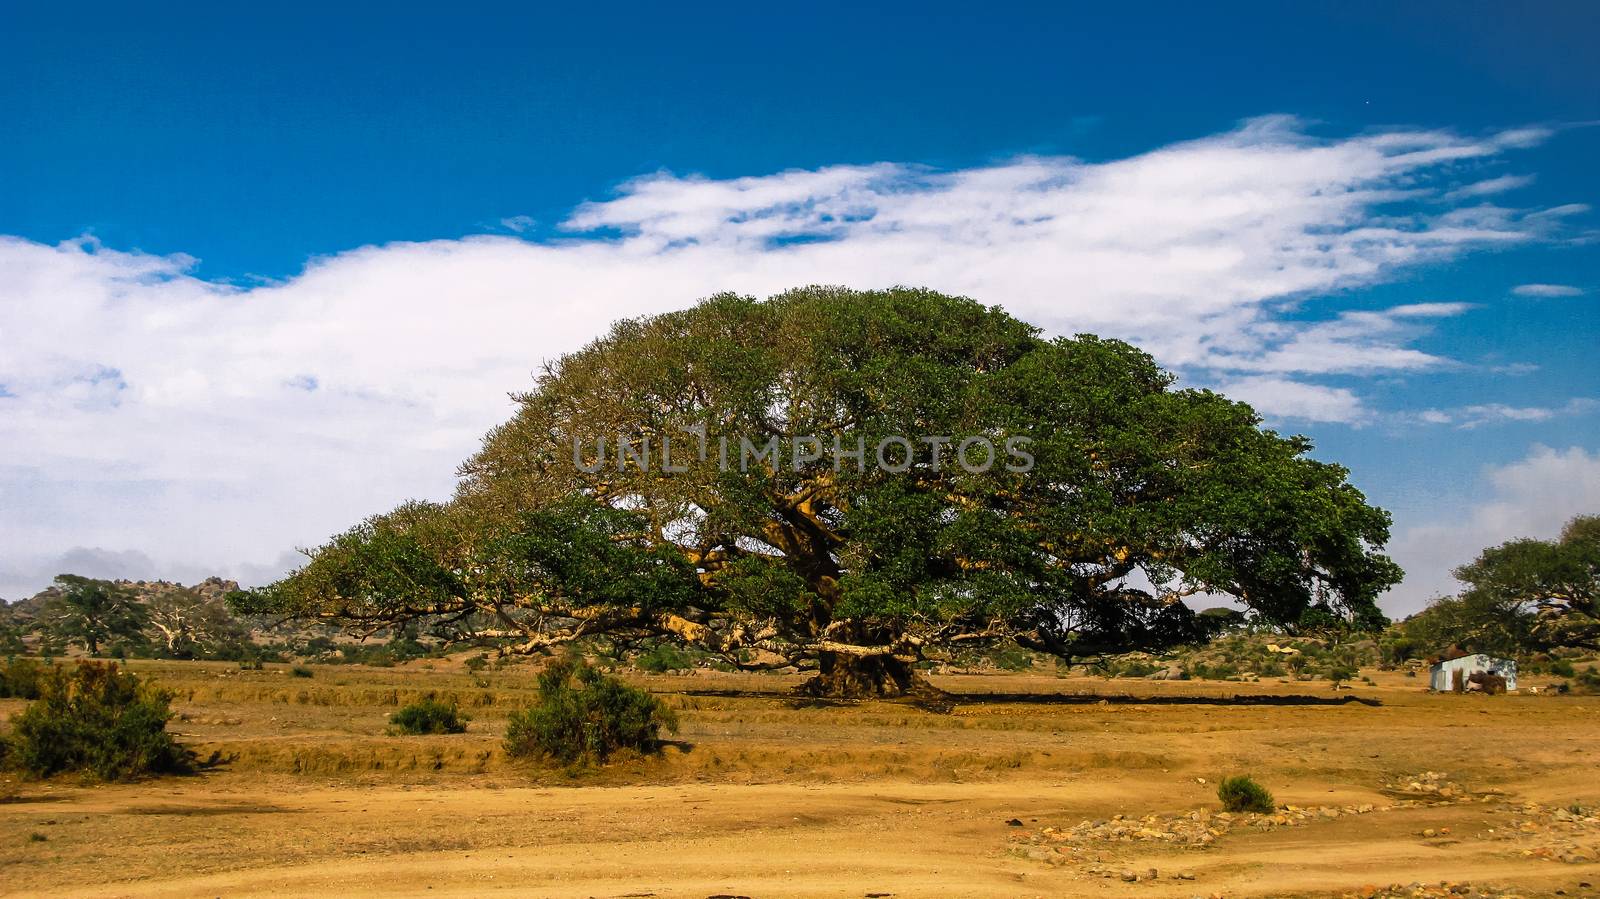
x: 848, y: 676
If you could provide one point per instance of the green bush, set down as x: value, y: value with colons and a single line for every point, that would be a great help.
x: 300, y: 671
x: 1241, y: 793
x: 1339, y: 673
x: 97, y: 719
x: 429, y: 716
x: 19, y: 678
x: 584, y: 716
x: 1011, y: 658
x: 663, y: 657
x: 1563, y: 668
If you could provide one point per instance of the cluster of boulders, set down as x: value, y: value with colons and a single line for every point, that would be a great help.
x: 1429, y: 890
x: 1434, y: 788
x: 1570, y: 834
x: 1199, y: 827
x: 1552, y: 833
x: 1196, y: 829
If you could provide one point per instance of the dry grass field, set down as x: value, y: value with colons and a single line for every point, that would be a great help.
x: 763, y: 797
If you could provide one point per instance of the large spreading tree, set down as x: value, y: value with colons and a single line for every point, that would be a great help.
x: 857, y: 479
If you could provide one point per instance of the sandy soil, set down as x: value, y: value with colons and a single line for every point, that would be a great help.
x: 764, y: 798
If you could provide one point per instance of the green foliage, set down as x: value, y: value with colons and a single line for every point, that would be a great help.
x: 301, y: 671
x: 1241, y: 793
x: 584, y: 717
x: 1400, y: 645
x: 429, y: 716
x: 96, y: 719
x: 1009, y: 658
x: 1132, y: 480
x: 91, y: 613
x: 1589, y: 679
x: 1534, y: 595
x: 11, y: 632
x: 663, y: 657
x: 21, y: 678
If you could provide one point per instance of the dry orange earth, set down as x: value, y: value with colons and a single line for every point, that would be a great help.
x: 762, y: 798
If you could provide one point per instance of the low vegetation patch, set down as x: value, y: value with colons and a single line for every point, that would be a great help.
x: 96, y: 719
x: 19, y: 678
x: 1241, y: 793
x: 584, y: 717
x: 429, y: 716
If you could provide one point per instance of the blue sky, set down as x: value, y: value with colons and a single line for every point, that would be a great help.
x: 242, y: 248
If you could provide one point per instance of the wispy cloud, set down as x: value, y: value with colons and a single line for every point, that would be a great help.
x: 1543, y: 291
x: 1480, y: 414
x: 1488, y: 187
x: 247, y: 419
x: 1362, y: 342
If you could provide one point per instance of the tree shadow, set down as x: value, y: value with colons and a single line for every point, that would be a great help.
x: 943, y: 702
x: 1237, y: 699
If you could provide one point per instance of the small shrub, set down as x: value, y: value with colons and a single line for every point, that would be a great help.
x: 19, y: 678
x: 1241, y: 793
x: 1563, y: 668
x: 429, y: 716
x: 300, y: 671
x: 250, y: 665
x: 1339, y: 673
x: 97, y: 719
x: 1136, y: 668
x: 37, y: 837
x: 1589, y: 679
x: 663, y: 657
x: 584, y: 716
x: 1012, y: 658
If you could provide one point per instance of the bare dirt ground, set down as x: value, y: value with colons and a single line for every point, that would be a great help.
x: 1012, y: 793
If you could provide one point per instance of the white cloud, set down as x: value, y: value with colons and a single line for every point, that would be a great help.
x: 1530, y: 498
x: 1546, y: 290
x: 206, y: 424
x: 1489, y: 187
x: 1283, y: 398
x: 1480, y: 414
x: 1354, y: 343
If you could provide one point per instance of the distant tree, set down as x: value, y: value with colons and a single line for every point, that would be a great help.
x: 1139, y: 494
x: 188, y: 625
x: 92, y: 613
x: 1473, y: 622
x: 1549, y: 590
x: 1523, y: 596
x: 11, y: 632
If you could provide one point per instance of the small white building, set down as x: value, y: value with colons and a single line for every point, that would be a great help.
x: 1446, y: 675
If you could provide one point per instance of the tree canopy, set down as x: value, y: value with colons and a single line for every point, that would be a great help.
x: 92, y: 612
x: 1522, y: 596
x: 857, y: 478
